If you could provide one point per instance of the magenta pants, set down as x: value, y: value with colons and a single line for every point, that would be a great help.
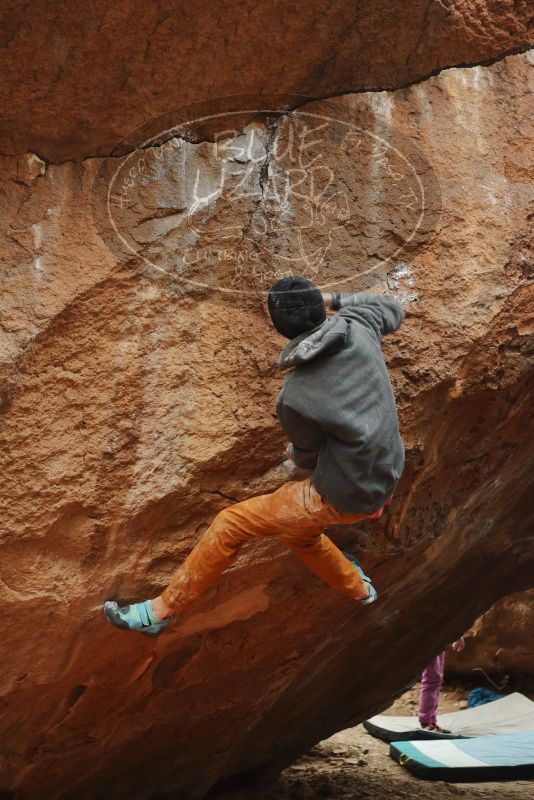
x: 431, y: 681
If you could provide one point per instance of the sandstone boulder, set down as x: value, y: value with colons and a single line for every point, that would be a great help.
x: 138, y: 376
x: 79, y: 77
x: 500, y: 642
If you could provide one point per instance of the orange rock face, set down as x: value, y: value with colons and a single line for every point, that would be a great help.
x: 138, y: 371
x: 500, y: 642
x: 79, y: 77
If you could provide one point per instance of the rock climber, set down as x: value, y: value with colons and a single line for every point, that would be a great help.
x: 337, y: 408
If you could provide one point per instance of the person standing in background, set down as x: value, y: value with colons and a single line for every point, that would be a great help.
x: 431, y: 681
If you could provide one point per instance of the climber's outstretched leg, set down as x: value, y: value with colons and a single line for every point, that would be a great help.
x: 295, y: 512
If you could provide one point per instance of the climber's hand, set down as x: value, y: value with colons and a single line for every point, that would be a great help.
x: 458, y: 645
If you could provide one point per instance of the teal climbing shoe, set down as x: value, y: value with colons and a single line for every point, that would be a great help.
x: 137, y: 617
x: 371, y: 597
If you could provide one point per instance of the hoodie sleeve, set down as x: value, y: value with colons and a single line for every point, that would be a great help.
x: 303, y: 434
x: 383, y: 312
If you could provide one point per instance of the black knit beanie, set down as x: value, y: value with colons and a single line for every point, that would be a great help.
x: 296, y: 305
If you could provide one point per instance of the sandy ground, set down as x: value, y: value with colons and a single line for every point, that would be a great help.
x: 353, y: 765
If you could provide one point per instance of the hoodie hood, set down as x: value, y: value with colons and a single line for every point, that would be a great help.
x: 324, y: 340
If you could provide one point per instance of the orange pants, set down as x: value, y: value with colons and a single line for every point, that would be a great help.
x: 297, y: 513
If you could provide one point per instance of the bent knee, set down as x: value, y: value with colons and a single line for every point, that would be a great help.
x: 222, y: 519
x: 226, y: 531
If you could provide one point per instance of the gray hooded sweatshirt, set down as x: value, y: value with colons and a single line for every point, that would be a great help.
x: 337, y: 405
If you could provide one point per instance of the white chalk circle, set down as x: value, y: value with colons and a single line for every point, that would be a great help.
x: 233, y: 200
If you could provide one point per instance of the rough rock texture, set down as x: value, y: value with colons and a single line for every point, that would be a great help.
x: 146, y: 59
x: 500, y: 642
x: 136, y: 403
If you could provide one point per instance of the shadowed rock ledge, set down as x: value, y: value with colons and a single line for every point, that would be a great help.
x: 79, y: 77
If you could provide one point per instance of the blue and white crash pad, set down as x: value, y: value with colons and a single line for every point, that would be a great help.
x: 509, y: 756
x: 511, y: 714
